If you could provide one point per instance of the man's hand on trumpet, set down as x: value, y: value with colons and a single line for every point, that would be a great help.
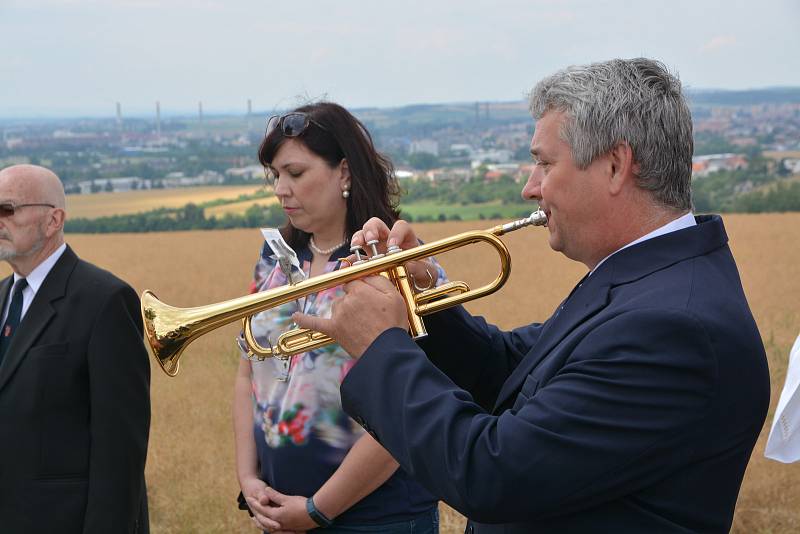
x: 371, y: 305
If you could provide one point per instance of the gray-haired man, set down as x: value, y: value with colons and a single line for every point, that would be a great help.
x: 636, y: 405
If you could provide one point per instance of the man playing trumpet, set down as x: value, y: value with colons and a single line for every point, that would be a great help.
x: 636, y: 405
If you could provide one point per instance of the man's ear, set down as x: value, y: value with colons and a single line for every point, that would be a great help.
x: 55, y: 221
x: 624, y: 169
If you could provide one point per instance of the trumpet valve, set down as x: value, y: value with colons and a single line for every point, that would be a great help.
x: 357, y: 250
x: 373, y: 244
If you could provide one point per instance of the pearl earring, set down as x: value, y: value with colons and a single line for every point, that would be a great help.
x: 345, y: 192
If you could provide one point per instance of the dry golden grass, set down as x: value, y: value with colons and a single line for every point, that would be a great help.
x: 105, y: 204
x: 190, y: 470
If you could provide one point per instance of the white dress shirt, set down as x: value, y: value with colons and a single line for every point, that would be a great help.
x: 783, y: 443
x: 35, y: 280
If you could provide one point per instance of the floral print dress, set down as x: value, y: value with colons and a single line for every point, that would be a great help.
x: 302, y: 434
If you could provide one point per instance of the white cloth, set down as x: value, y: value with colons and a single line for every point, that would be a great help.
x: 783, y: 443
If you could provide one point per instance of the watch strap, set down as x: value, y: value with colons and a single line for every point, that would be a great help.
x: 318, y: 517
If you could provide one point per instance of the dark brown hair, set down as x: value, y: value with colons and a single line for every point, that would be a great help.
x: 374, y: 191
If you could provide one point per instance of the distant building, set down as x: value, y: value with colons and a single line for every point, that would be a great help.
x: 118, y: 185
x: 132, y: 183
x: 479, y: 157
x: 431, y: 146
x: 14, y: 142
x: 493, y: 176
x: 449, y: 175
x: 133, y: 150
x: 461, y: 149
x: 744, y: 141
x: 792, y: 165
x: 177, y: 179
x: 507, y: 168
x: 705, y: 165
x: 498, y: 170
x: 250, y: 172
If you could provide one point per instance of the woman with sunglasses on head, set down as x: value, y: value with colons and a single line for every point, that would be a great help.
x: 302, y: 462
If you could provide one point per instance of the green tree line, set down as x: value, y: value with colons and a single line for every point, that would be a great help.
x: 189, y: 217
x: 475, y: 191
x: 724, y: 191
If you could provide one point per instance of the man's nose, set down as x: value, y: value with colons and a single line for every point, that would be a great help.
x: 532, y: 190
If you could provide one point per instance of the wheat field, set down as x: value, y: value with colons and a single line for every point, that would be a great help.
x: 123, y: 203
x: 191, y: 480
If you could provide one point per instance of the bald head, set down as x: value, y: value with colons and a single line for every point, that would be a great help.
x: 34, y: 228
x: 34, y: 184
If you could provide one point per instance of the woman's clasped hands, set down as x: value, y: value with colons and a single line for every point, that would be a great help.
x: 275, y: 512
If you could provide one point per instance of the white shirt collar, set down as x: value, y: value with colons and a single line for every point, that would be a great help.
x: 35, y: 280
x: 684, y: 221
x: 36, y: 277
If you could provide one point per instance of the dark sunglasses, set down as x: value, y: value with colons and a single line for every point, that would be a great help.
x: 7, y: 209
x: 291, y: 124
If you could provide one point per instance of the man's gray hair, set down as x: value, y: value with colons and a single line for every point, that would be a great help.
x: 636, y: 101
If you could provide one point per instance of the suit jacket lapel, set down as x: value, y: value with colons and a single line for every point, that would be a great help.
x: 5, y: 291
x: 39, y: 314
x: 625, y: 266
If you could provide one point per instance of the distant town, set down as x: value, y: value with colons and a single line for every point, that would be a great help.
x: 747, y: 143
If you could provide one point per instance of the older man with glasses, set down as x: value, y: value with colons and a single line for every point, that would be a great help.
x: 74, y: 375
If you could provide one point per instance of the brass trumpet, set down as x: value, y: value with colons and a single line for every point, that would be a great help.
x: 169, y: 330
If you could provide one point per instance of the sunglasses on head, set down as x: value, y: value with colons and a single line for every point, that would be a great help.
x: 291, y: 124
x: 7, y: 209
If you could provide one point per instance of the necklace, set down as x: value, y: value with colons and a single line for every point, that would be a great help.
x: 325, y: 251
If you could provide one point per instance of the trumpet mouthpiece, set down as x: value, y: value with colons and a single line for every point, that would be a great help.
x: 537, y: 218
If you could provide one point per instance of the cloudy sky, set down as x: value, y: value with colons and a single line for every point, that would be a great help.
x: 79, y: 57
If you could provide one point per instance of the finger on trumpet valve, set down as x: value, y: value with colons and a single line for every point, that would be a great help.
x: 373, y: 244
x: 357, y: 250
x: 392, y: 249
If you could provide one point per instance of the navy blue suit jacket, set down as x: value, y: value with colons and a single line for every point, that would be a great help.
x: 634, y: 408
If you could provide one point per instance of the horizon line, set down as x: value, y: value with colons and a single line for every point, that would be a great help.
x: 233, y: 112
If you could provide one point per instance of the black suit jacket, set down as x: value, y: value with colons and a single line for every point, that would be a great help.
x: 634, y: 408
x: 75, y: 408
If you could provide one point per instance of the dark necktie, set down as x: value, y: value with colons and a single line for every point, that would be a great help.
x: 14, y: 315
